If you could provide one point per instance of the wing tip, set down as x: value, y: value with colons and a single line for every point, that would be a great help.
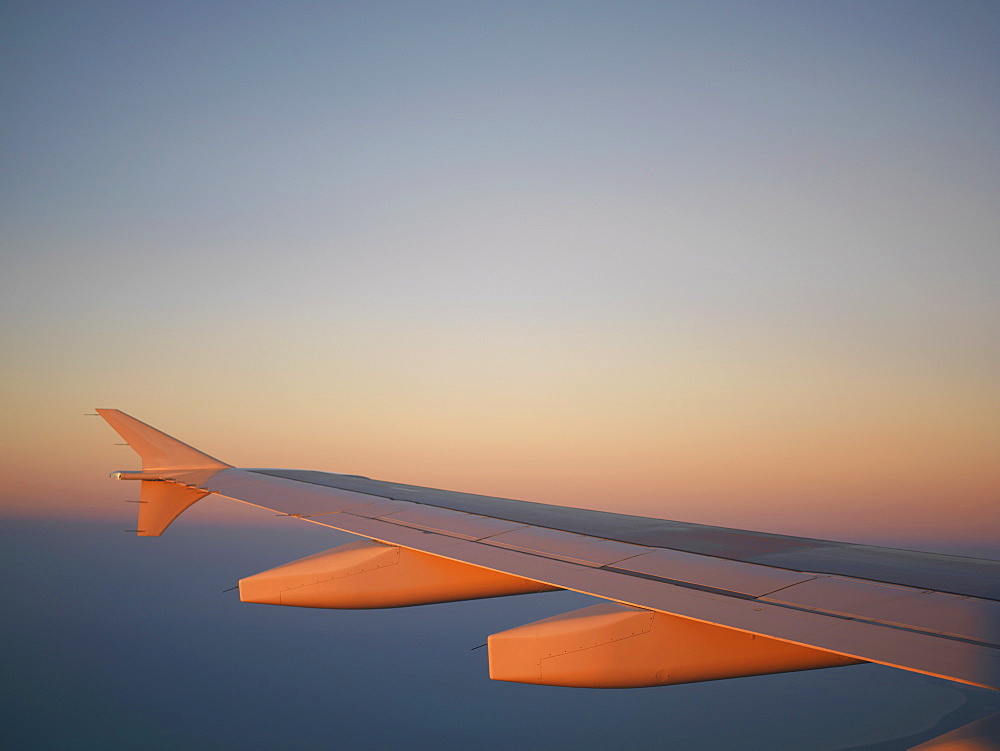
x: 157, y: 449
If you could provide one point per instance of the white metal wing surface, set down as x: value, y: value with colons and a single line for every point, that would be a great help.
x: 686, y: 602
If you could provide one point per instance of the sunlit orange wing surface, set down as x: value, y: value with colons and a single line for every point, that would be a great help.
x: 685, y: 602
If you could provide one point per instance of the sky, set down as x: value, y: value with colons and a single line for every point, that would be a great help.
x: 723, y: 262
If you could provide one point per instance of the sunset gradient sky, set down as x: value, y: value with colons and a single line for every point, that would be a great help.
x: 724, y: 262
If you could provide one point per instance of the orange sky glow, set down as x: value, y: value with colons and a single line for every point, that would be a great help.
x: 732, y: 267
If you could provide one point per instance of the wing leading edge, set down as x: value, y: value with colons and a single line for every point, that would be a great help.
x: 754, y: 602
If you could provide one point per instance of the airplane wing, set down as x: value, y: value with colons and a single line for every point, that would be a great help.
x: 685, y: 602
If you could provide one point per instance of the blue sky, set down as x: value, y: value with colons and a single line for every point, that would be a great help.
x: 740, y: 255
x: 728, y: 262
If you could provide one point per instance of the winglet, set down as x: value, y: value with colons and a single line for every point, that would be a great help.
x: 162, y: 502
x: 156, y: 449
